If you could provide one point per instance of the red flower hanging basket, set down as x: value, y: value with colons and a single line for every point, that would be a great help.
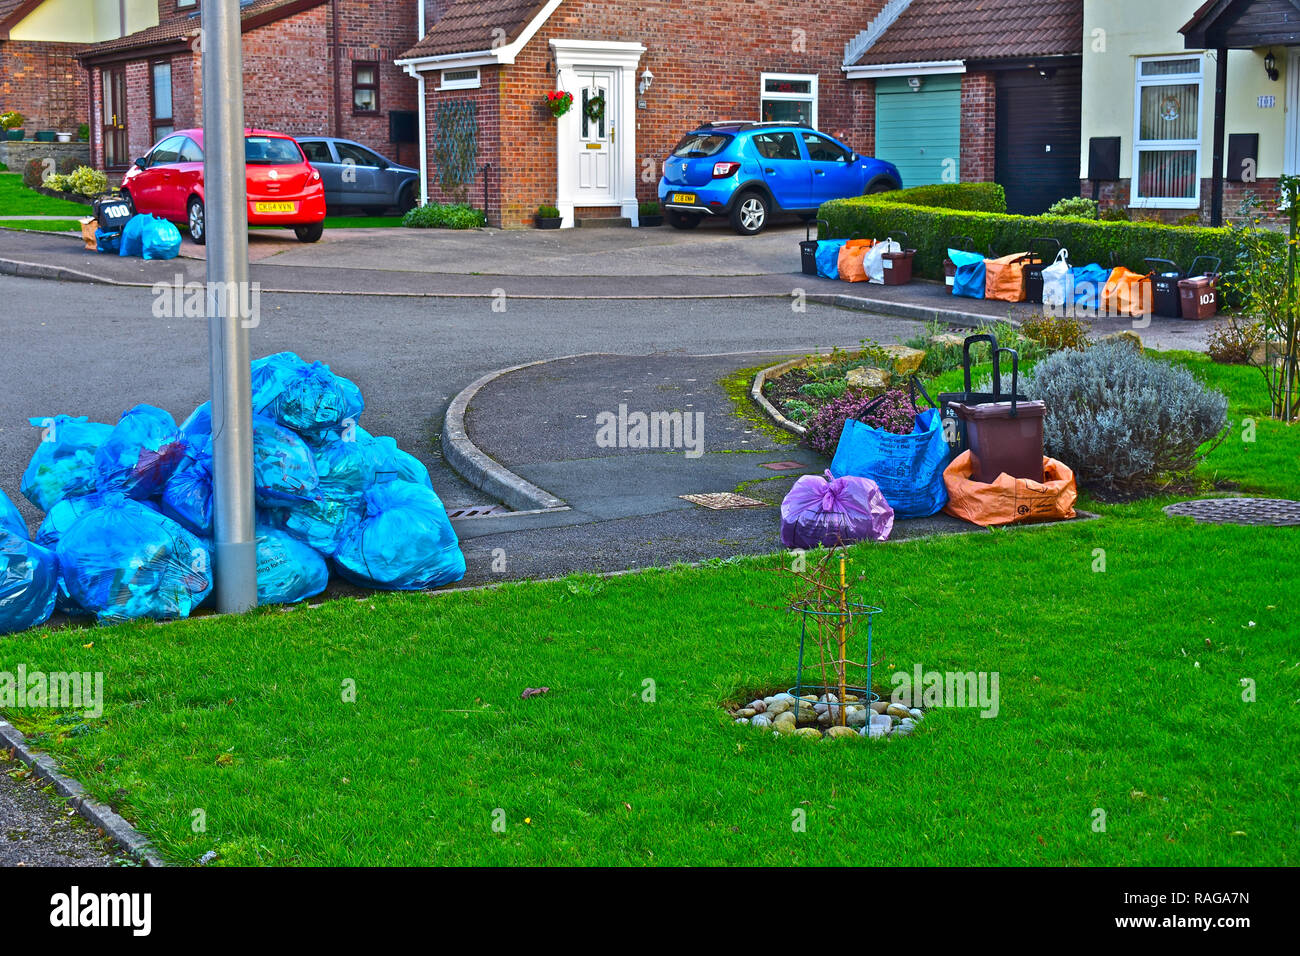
x: 559, y: 102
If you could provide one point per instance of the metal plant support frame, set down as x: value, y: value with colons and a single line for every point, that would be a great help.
x: 834, y: 619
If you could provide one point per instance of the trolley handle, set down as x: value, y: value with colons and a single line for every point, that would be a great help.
x: 1015, y: 377
x: 807, y: 232
x: 1208, y: 272
x: 965, y: 356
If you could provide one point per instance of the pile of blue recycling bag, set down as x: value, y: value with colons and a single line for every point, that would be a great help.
x: 144, y: 235
x: 128, y: 529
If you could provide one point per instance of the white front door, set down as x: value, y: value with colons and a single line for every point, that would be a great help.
x: 1291, y: 146
x: 596, y: 104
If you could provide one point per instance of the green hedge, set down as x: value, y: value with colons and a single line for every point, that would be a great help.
x: 973, y: 197
x: 930, y: 229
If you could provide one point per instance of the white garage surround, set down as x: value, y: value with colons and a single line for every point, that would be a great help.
x: 614, y: 62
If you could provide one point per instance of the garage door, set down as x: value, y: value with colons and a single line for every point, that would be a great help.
x: 918, y: 130
x: 1038, y: 136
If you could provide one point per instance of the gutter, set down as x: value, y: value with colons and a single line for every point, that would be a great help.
x: 921, y: 68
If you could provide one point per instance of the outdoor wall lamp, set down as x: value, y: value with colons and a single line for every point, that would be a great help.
x: 915, y: 83
x: 1270, y: 66
x: 647, y: 80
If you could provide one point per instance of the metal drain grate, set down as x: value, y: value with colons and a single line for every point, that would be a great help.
x: 477, y: 511
x: 782, y: 465
x: 722, y: 500
x: 1248, y: 511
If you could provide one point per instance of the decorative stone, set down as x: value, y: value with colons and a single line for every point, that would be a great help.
x: 742, y: 720
x: 760, y: 720
x: 783, y: 726
x: 758, y: 706
x: 880, y: 725
x: 947, y: 340
x: 857, y: 718
x: 879, y: 706
x: 905, y: 727
x: 778, y: 707
x: 837, y: 732
x: 1127, y: 336
x: 783, y: 696
x: 746, y: 712
x: 811, y: 733
x: 786, y: 717
x: 905, y: 359
x: 897, y: 710
x: 871, y: 380
x: 916, y: 713
x: 829, y: 699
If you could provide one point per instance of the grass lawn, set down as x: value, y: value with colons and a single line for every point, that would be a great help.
x: 1119, y: 690
x: 17, y: 200
x: 43, y: 225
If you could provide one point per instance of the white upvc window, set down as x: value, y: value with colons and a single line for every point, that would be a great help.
x: 1167, y: 132
x: 466, y: 78
x: 789, y: 98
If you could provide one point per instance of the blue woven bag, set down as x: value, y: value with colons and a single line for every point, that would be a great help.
x: 971, y: 271
x: 907, y: 468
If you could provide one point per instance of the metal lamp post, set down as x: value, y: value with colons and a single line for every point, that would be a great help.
x: 226, y: 225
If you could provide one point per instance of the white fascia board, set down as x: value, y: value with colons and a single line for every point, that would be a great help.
x: 926, y: 68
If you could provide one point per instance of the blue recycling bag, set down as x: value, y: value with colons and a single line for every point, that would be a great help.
x: 284, y: 469
x: 63, y: 465
x: 63, y: 516
x: 1088, y: 283
x: 969, y: 280
x: 187, y: 498
x: 310, y: 399
x: 288, y: 570
x: 29, y: 576
x: 196, y: 431
x: 322, y: 522
x: 409, y: 468
x: 908, y: 469
x: 161, y: 240
x: 405, y: 542
x: 109, y: 241
x: 140, y: 454
x: 132, y: 242
x: 123, y: 561
x: 348, y: 468
x: 11, y: 519
x: 828, y: 257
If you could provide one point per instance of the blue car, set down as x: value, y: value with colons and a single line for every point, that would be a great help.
x: 749, y: 171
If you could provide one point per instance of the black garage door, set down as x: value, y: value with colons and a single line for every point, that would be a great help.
x: 1038, y: 129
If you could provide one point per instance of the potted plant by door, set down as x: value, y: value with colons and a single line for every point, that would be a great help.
x: 548, y: 217
x: 12, y: 121
x: 649, y: 214
x: 558, y: 102
x: 83, y: 133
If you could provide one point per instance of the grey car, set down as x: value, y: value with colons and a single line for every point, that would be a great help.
x: 356, y: 176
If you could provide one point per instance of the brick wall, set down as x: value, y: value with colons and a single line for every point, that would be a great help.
x: 289, y: 77
x: 44, y: 82
x: 1116, y: 194
x: 706, y: 59
x: 979, y: 111
x: 488, y: 138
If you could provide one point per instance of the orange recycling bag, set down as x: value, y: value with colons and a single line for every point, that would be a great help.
x: 1009, y: 500
x: 850, y: 262
x: 1127, y: 293
x: 1004, y: 278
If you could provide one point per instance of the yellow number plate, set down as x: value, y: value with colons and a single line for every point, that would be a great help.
x: 684, y: 197
x: 274, y: 207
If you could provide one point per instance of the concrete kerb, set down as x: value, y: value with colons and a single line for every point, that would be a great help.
x: 115, y: 826
x: 481, y: 470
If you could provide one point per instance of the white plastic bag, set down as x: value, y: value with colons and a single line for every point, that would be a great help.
x: 1056, y: 281
x: 873, y: 262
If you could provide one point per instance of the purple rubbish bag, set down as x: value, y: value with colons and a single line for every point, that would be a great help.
x: 826, y: 511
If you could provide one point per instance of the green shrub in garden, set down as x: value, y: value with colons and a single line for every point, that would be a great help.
x: 929, y: 230
x: 972, y: 197
x: 1074, y: 206
x: 438, y: 216
x: 1120, y: 419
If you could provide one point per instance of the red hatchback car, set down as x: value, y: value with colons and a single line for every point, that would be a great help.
x: 283, y: 188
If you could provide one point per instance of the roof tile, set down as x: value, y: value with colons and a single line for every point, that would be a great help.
x: 979, y: 29
x: 472, y: 25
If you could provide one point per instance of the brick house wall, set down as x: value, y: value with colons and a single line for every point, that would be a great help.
x: 289, y: 77
x: 697, y: 78
x: 1114, y: 195
x: 487, y: 100
x: 45, y: 83
x: 979, y: 117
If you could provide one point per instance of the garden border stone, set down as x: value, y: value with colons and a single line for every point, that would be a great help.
x: 106, y: 819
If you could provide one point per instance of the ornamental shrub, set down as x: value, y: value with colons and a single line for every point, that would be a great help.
x: 1074, y: 206
x: 438, y: 216
x: 1120, y: 419
x: 894, y: 413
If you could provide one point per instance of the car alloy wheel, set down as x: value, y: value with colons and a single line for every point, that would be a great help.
x: 198, y: 229
x: 750, y: 215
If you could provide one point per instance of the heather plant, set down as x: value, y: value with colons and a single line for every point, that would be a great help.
x: 1119, y: 419
x: 894, y: 413
x: 1233, y: 341
x: 825, y: 390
